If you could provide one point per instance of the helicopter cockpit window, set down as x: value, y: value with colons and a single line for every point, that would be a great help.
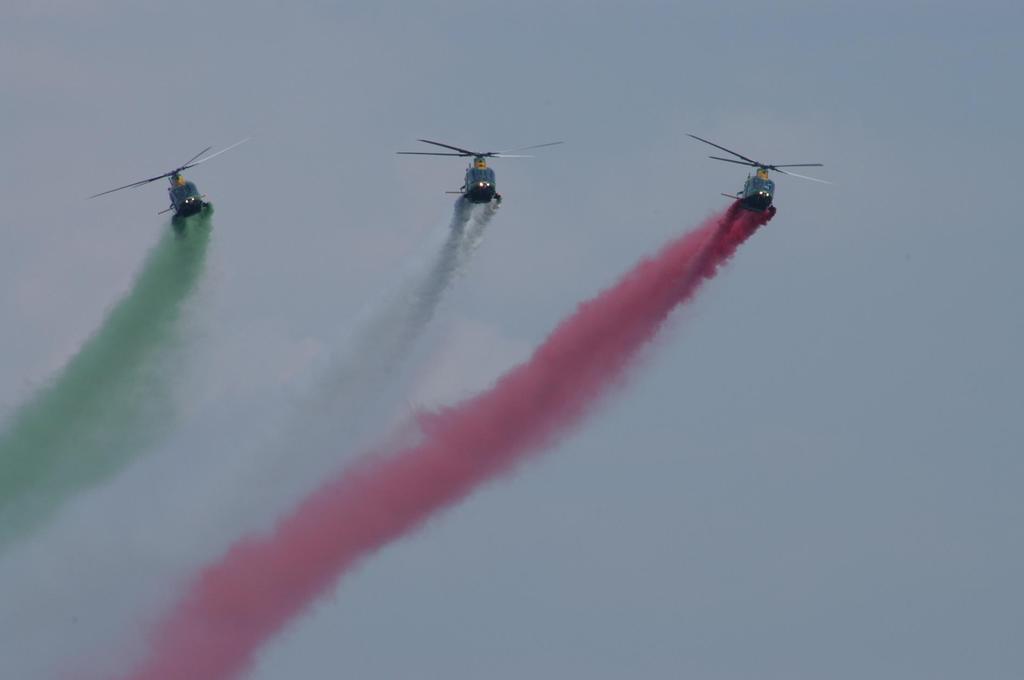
x: 481, y: 175
x: 185, y: 190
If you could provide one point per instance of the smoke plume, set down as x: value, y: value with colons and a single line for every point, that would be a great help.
x: 264, y: 582
x: 110, y: 401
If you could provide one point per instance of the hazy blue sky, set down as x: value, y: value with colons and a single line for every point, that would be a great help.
x: 816, y: 472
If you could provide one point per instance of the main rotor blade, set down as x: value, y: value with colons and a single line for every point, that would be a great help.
x: 527, y: 148
x: 429, y: 153
x: 466, y: 152
x: 738, y: 155
x: 797, y: 165
x: 499, y: 154
x: 733, y: 160
x: 813, y: 179
x: 191, y: 164
x: 185, y: 164
x: 133, y: 184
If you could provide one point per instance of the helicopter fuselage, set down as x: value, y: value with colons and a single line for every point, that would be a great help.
x: 479, y: 185
x: 185, y: 198
x: 757, y: 193
x: 758, y: 190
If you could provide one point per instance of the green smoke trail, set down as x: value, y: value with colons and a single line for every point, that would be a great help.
x: 111, y: 401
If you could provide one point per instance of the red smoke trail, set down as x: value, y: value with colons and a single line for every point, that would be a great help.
x: 262, y: 583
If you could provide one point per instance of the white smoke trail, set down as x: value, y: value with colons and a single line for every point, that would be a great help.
x: 474, y: 235
x: 363, y: 389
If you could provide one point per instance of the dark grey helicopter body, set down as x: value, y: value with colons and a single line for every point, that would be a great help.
x: 479, y: 184
x: 185, y: 197
x: 758, y: 190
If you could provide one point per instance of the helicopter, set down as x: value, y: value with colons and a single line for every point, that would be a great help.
x: 758, y: 189
x: 185, y: 197
x: 478, y: 185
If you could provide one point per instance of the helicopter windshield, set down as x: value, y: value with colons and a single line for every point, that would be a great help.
x: 477, y: 175
x: 183, y: 191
